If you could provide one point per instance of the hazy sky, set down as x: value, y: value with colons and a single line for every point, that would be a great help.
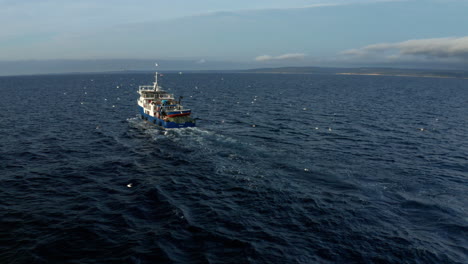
x: 264, y: 32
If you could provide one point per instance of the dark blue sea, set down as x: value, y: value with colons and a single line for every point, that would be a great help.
x: 280, y: 169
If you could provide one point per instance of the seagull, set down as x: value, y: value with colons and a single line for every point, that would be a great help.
x: 129, y: 185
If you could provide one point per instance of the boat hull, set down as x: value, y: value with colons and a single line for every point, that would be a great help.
x: 162, y: 123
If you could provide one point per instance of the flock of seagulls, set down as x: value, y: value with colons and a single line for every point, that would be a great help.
x: 238, y: 102
x: 130, y: 185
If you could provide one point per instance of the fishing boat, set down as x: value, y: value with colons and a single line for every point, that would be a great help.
x: 160, y: 108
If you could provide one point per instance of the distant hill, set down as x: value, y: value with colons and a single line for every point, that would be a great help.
x: 365, y: 71
x: 26, y: 67
x: 201, y: 66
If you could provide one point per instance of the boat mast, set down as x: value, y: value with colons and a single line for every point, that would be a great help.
x: 156, y: 87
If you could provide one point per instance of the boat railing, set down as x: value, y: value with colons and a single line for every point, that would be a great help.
x: 146, y: 87
x: 165, y: 97
x: 173, y: 107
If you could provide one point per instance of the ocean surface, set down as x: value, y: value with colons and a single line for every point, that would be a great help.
x: 280, y: 169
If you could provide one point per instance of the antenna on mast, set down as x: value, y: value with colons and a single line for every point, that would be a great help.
x: 156, y: 78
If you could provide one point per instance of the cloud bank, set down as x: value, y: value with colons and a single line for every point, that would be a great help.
x: 287, y: 56
x: 436, y: 48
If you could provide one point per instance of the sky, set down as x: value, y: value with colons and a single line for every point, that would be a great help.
x: 252, y: 33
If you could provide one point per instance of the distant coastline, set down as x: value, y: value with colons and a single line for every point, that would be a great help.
x: 401, y: 75
x: 116, y: 66
x: 425, y: 73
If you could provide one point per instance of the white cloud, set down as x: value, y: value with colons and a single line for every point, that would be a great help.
x: 441, y: 48
x: 268, y: 5
x: 263, y: 58
x: 287, y: 56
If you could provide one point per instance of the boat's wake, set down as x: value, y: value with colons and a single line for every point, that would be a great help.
x: 190, y: 136
x: 254, y: 166
x: 228, y: 156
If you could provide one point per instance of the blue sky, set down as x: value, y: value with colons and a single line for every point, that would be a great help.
x: 256, y: 32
